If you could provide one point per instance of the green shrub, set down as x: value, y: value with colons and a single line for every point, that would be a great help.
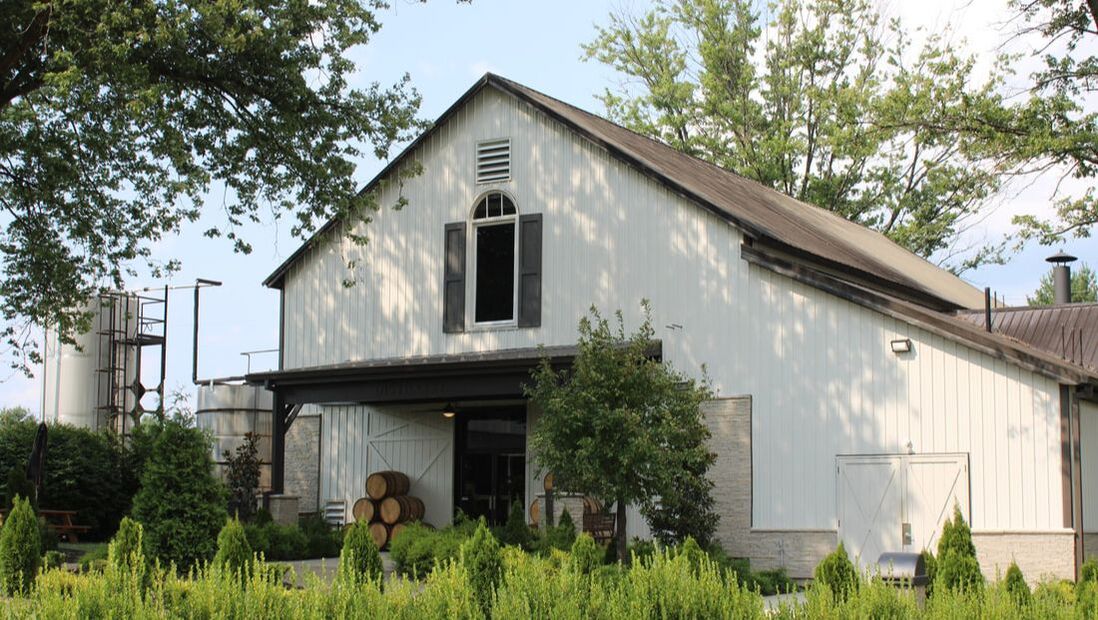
x: 837, y: 572
x: 181, y: 504
x: 233, y: 552
x: 52, y: 560
x: 586, y: 554
x: 93, y: 473
x: 560, y: 536
x: 1089, y: 570
x: 126, y: 550
x: 281, y: 543
x: 482, y: 559
x: 957, y: 567
x: 419, y: 548
x: 930, y: 563
x: 20, y: 548
x: 774, y: 581
x: 360, y: 561
x: 324, y: 541
x: 693, y: 554
x: 95, y: 558
x: 1015, y: 584
x: 515, y: 531
x: 19, y: 486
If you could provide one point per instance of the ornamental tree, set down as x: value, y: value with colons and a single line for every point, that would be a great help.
x: 117, y: 118
x: 619, y: 424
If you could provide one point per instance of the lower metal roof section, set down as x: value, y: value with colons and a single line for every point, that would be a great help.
x: 499, y: 374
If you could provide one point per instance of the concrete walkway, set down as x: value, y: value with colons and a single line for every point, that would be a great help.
x: 774, y: 602
x: 326, y: 568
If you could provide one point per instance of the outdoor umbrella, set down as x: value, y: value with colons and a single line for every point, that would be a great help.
x: 36, y: 465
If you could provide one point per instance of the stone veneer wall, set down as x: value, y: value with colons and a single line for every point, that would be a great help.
x: 798, y: 552
x: 1039, y: 554
x: 303, y: 461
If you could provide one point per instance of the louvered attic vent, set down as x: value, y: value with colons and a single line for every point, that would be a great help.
x: 494, y: 160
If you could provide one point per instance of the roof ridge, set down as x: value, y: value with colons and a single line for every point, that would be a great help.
x: 490, y: 77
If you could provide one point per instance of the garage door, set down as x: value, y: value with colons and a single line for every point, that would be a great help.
x: 898, y: 502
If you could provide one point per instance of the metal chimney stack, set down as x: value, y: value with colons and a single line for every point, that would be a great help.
x: 1061, y: 276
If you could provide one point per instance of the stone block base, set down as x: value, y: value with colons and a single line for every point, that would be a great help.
x: 283, y: 509
x: 1040, y: 555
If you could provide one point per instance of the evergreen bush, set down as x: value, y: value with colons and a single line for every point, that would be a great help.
x: 515, y: 531
x: 20, y: 548
x: 482, y: 559
x: 957, y: 567
x: 360, y: 561
x: 181, y: 505
x: 693, y: 553
x: 560, y: 536
x: 19, y: 486
x: 1015, y: 584
x: 234, y: 555
x: 125, y: 551
x: 322, y: 540
x: 586, y: 554
x: 837, y: 572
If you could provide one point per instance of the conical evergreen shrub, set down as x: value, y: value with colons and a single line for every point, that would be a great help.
x: 233, y: 552
x: 359, y: 560
x: 586, y: 554
x: 482, y: 559
x: 20, y: 548
x: 838, y: 573
x: 1015, y: 584
x: 125, y: 551
x: 957, y: 567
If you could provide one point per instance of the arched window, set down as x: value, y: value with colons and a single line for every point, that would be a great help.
x: 495, y: 251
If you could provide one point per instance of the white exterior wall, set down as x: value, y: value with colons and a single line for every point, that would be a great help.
x: 820, y: 369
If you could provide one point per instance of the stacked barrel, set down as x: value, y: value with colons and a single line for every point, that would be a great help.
x: 387, y: 506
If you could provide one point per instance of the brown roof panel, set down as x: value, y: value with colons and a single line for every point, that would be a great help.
x: 1068, y: 331
x: 759, y: 210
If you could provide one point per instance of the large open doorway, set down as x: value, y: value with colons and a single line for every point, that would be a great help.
x: 489, y: 461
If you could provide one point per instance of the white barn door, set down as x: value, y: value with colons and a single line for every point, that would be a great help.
x: 870, y: 506
x: 420, y: 445
x: 898, y: 502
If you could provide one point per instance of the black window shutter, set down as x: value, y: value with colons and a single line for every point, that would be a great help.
x: 529, y: 297
x: 453, y: 283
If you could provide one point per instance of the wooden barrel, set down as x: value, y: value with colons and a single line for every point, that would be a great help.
x: 400, y: 509
x: 365, y: 509
x: 380, y: 533
x: 547, y: 482
x: 535, y: 513
x: 382, y: 484
x: 395, y: 531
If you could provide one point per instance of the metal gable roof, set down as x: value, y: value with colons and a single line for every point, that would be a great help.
x: 1067, y: 331
x: 760, y: 211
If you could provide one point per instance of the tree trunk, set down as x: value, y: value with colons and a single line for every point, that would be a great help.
x: 623, y: 551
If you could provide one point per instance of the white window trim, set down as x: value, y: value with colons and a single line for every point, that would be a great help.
x: 471, y: 266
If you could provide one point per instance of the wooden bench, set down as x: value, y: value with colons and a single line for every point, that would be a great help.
x: 60, y: 521
x: 600, y: 526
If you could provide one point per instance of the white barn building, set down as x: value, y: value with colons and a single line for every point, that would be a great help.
x: 857, y: 400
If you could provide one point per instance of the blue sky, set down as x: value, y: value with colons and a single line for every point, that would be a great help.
x: 445, y: 47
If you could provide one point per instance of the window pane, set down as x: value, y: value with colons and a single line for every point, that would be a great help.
x: 495, y: 273
x: 482, y: 209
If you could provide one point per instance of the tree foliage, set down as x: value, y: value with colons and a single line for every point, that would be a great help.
x: 1055, y: 129
x: 1084, y: 288
x: 618, y: 424
x: 834, y: 107
x: 181, y: 505
x: 117, y: 118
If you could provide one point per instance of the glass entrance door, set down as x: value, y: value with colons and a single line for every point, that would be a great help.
x: 490, y: 467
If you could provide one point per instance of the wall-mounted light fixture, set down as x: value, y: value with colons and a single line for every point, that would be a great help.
x: 449, y: 410
x: 901, y: 345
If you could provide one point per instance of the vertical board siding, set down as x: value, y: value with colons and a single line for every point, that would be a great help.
x: 358, y: 440
x: 1088, y: 439
x: 820, y: 369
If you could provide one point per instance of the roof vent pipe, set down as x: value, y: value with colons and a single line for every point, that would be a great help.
x: 1061, y: 276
